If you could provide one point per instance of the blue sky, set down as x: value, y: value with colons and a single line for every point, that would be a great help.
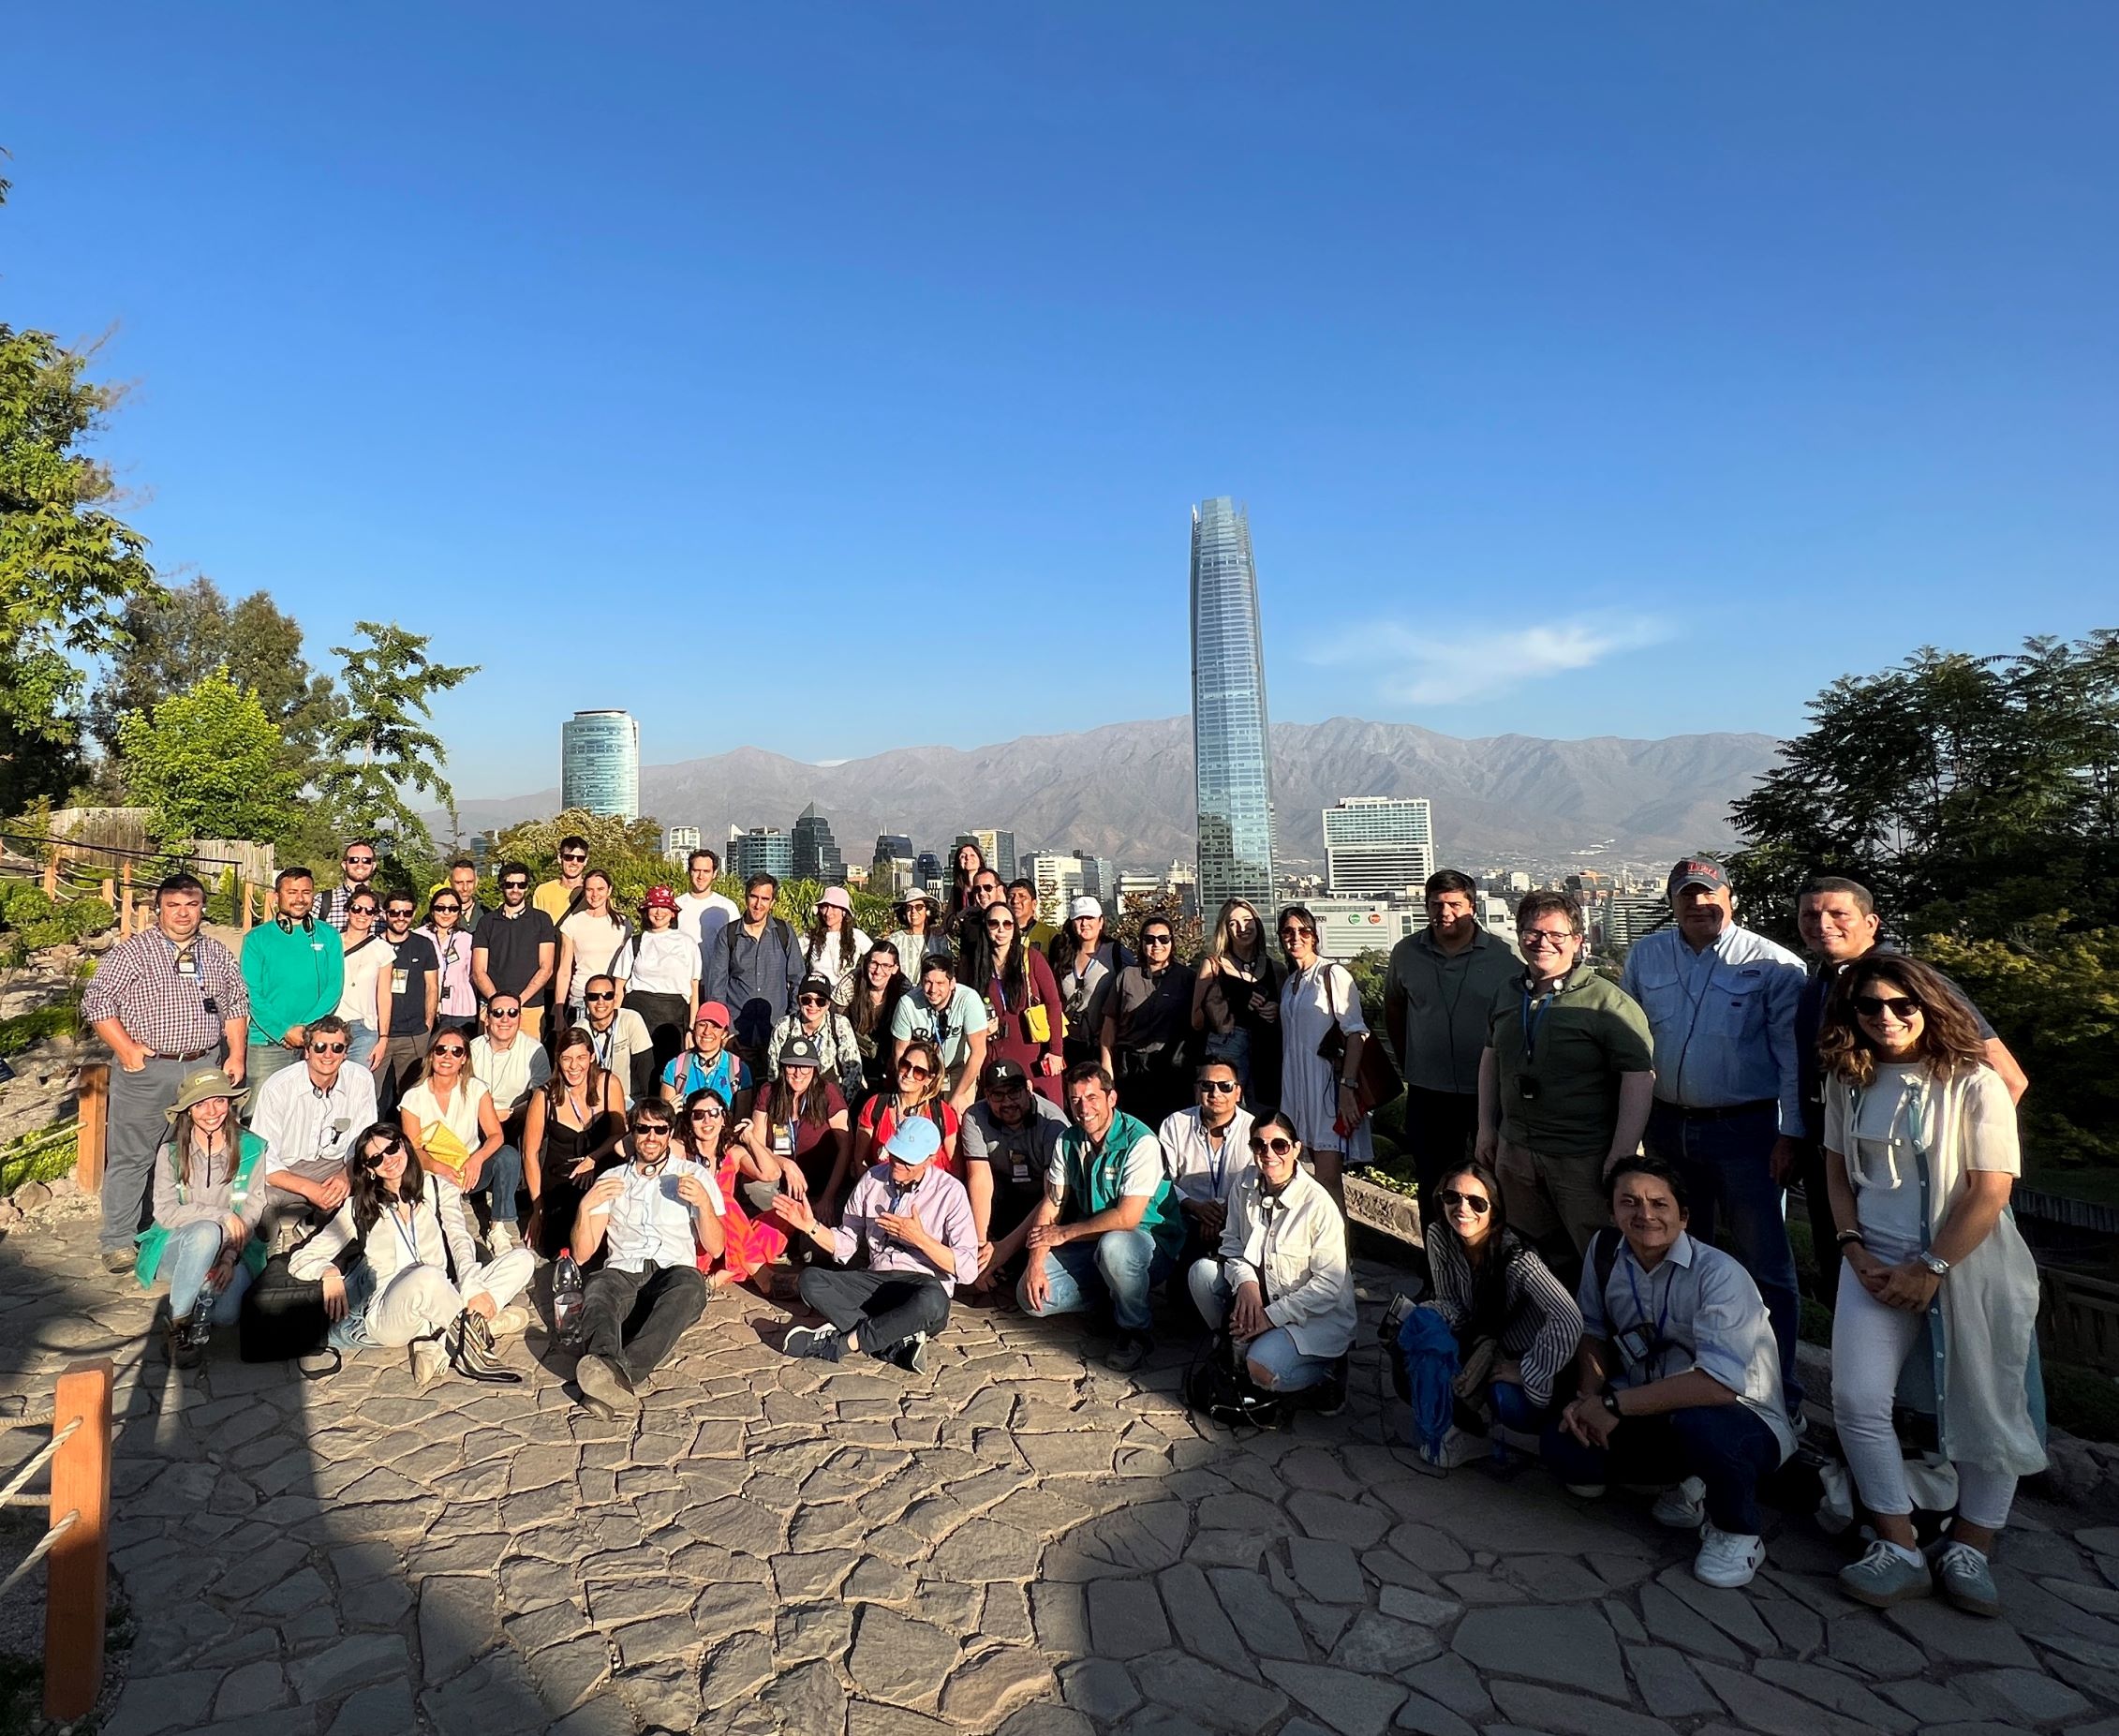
x: 1586, y: 370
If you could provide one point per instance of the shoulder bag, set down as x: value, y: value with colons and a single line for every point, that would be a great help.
x: 1376, y: 1081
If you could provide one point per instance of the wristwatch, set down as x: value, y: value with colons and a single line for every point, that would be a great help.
x: 1610, y: 1400
x: 1936, y: 1264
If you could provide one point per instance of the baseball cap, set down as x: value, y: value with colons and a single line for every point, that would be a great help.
x: 800, y: 1052
x: 815, y: 985
x: 836, y: 897
x: 914, y: 1141
x: 1084, y: 907
x: 1698, y: 871
x: 715, y: 1011
x: 1005, y: 1072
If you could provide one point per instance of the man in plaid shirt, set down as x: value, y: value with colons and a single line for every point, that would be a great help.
x: 167, y: 1000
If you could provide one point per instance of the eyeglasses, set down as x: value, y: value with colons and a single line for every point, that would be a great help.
x: 812, y: 1000
x: 1001, y: 927
x: 1901, y: 1007
x: 1541, y: 938
x: 912, y: 1070
x: 1477, y: 1204
x: 1271, y: 1148
x: 360, y: 861
x: 1217, y: 1088
x: 456, y: 1049
x: 504, y: 1012
x: 600, y: 994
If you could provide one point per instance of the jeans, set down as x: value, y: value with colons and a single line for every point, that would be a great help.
x: 1726, y: 1164
x: 1726, y: 1447
x: 1121, y: 1265
x: 1276, y: 1363
x: 501, y: 1180
x: 138, y: 1127
x: 635, y: 1319
x: 265, y: 1059
x: 361, y: 1042
x: 889, y: 1307
x: 187, y: 1256
x: 1513, y: 1408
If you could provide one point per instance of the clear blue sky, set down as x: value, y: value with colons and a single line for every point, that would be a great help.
x: 714, y: 361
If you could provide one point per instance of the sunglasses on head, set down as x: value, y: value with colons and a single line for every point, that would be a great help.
x: 1475, y: 1202
x: 1898, y: 1006
x: 327, y: 1048
x: 1276, y: 1148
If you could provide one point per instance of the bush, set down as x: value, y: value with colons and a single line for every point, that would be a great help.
x: 43, y: 922
x: 19, y: 1032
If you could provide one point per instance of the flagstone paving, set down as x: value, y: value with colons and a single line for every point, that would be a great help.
x: 1018, y: 1541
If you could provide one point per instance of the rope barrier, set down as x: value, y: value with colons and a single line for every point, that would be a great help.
x: 37, y: 1461
x: 40, y: 1552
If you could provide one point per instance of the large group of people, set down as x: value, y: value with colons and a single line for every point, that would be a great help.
x: 978, y: 1108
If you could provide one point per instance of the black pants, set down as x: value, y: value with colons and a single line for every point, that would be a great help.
x: 1440, y: 1127
x: 891, y: 1305
x: 1725, y: 1445
x: 667, y: 1020
x: 636, y: 1318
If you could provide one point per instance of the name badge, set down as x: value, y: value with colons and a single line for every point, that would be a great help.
x: 188, y: 967
x: 399, y: 978
x: 1022, y: 1173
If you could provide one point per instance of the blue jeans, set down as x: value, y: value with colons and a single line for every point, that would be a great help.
x: 1233, y: 1047
x: 1276, y: 1363
x: 360, y: 1043
x: 1727, y: 1167
x: 187, y: 1256
x: 501, y: 1179
x: 1725, y: 1445
x: 1121, y: 1265
x: 1513, y: 1408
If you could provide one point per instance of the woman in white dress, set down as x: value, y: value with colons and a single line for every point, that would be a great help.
x: 1317, y: 1094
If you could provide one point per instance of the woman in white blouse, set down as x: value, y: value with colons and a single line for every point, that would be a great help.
x: 834, y: 946
x: 664, y: 985
x: 1317, y: 1090
x: 364, y: 1002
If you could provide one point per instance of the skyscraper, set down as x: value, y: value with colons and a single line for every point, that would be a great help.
x: 600, y: 763
x: 1230, y: 743
x: 1376, y: 846
x: 761, y: 850
x: 817, y: 855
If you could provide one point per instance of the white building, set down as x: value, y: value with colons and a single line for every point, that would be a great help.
x: 1378, y: 846
x: 1350, y: 926
x: 678, y: 843
x: 1622, y: 917
x: 1057, y: 880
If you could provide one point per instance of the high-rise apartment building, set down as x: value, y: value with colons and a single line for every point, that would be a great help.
x: 1058, y: 881
x: 678, y: 843
x: 891, y: 867
x: 1100, y: 876
x: 815, y: 853
x: 761, y: 850
x: 600, y: 763
x: 1231, y: 741
x: 1378, y: 846
x: 1622, y: 917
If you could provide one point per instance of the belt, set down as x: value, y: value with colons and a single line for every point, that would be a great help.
x: 1722, y: 1114
x: 188, y: 1054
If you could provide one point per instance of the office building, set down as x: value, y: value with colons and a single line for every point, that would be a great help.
x: 1100, y: 875
x: 678, y: 843
x: 600, y: 763
x: 1058, y: 881
x: 1231, y: 742
x: 761, y: 850
x: 999, y: 849
x: 891, y: 865
x: 926, y: 872
x: 1622, y: 918
x: 815, y: 851
x: 1378, y: 846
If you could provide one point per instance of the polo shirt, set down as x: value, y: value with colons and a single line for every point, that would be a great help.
x: 511, y: 944
x: 1575, y: 1043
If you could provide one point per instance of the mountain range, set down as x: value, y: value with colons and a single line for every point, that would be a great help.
x: 1125, y: 791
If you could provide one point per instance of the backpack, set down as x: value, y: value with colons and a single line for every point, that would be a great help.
x: 1219, y: 1390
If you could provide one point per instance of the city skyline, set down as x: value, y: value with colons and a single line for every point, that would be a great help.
x: 1231, y: 729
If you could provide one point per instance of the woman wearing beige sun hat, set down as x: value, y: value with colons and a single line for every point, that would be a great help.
x: 208, y: 1199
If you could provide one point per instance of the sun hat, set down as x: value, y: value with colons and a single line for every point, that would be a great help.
x: 203, y: 1083
x: 662, y: 898
x: 838, y: 898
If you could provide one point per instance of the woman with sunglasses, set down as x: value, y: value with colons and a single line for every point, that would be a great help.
x: 594, y: 941
x: 798, y: 1134
x: 922, y: 1089
x: 454, y: 1130
x: 1280, y: 1283
x: 1148, y: 1028
x: 877, y: 987
x: 1317, y: 1089
x: 364, y: 1003
x: 1516, y: 1326
x: 917, y: 935
x: 398, y: 1268
x: 1022, y: 999
x: 708, y: 1133
x: 569, y: 1137
x: 1086, y: 965
x: 1920, y: 1158
x: 663, y: 988
x: 458, y: 1007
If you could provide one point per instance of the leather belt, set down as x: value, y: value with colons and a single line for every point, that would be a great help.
x: 188, y: 1055
x: 1722, y: 1114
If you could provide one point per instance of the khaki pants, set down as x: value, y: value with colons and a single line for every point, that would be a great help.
x: 1550, y: 1197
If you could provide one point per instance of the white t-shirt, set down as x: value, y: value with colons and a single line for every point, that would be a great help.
x: 510, y: 1073
x: 363, y: 964
x: 664, y: 964
x: 701, y: 916
x: 600, y: 949
x: 648, y: 1222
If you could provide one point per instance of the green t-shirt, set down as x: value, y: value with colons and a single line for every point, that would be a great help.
x: 1583, y: 1037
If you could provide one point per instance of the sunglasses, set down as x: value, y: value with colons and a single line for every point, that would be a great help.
x: 651, y: 1130
x: 1294, y: 929
x: 452, y: 905
x: 573, y: 855
x: 912, y: 1070
x: 812, y: 1000
x: 504, y: 1012
x: 1899, y: 1007
x: 327, y: 1048
x: 363, y: 910
x: 1001, y: 927
x: 1275, y: 1148
x: 1155, y: 940
x: 456, y: 1049
x: 1217, y: 1088
x: 359, y: 861
x: 377, y: 1157
x: 708, y: 1112
x: 600, y: 994
x: 399, y: 912
x: 514, y: 885
x: 1477, y: 1204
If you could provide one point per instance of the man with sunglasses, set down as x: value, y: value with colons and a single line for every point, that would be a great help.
x: 1008, y: 1140
x: 512, y: 1068
x: 308, y: 1116
x: 357, y: 871
x: 624, y: 1047
x: 1206, y: 1150
x: 557, y: 898
x: 515, y: 950
x: 1565, y: 1084
x: 415, y: 999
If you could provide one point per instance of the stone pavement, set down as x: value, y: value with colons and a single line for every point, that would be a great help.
x: 1018, y: 1542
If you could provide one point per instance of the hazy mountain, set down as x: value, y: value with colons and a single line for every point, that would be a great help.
x: 1125, y: 791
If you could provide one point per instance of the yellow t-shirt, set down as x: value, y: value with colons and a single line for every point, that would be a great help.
x: 553, y: 898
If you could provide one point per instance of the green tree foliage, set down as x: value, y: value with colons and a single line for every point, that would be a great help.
x: 380, y: 747
x: 211, y: 764
x: 1187, y: 933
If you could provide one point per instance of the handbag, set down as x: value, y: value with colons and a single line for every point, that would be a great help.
x: 1376, y: 1079
x: 282, y: 1316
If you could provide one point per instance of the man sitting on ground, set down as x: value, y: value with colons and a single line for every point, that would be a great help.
x: 916, y: 1223
x: 1007, y: 1144
x: 1206, y: 1150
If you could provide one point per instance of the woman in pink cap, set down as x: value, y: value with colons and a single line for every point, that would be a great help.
x: 834, y: 945
x: 664, y: 985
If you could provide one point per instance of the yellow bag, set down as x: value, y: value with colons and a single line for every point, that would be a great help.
x: 1037, y: 1022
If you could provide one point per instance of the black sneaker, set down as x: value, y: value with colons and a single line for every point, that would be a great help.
x: 821, y: 1342
x: 911, y: 1353
x: 1129, y: 1352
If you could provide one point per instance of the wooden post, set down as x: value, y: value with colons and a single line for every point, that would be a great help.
x: 51, y: 874
x: 110, y: 892
x: 124, y: 908
x: 248, y: 893
x: 93, y: 1098
x: 77, y: 1571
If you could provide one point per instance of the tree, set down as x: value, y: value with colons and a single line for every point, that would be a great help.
x: 1187, y: 932
x: 378, y: 747
x: 211, y: 764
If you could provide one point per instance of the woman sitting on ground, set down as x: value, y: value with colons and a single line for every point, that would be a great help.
x: 1920, y: 1159
x: 209, y: 1196
x: 418, y: 1281
x: 570, y: 1135
x: 798, y: 1136
x: 1517, y: 1325
x: 922, y: 1089
x: 708, y: 1136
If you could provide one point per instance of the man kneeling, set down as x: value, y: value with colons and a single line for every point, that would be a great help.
x: 916, y: 1223
x: 1681, y: 1377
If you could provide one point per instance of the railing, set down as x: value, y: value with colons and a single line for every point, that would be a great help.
x: 106, y: 872
x: 76, y: 1545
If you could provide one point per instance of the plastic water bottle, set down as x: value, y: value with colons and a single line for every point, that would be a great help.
x: 567, y: 1298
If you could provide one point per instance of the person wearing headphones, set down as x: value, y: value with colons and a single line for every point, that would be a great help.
x: 294, y: 969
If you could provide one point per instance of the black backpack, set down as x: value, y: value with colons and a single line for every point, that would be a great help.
x: 1218, y: 1390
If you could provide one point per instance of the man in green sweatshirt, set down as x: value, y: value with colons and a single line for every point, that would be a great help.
x: 294, y: 969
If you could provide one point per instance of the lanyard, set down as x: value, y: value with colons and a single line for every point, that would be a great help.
x: 404, y: 1234
x: 1533, y: 1020
x: 1663, y: 1320
x: 1219, y: 1165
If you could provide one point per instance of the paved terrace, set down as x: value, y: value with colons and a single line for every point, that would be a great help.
x: 1018, y: 1542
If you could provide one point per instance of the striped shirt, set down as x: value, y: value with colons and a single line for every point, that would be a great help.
x: 1544, y: 1325
x: 168, y: 1010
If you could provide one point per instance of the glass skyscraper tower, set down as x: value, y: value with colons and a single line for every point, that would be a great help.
x: 600, y: 763
x: 1232, y: 754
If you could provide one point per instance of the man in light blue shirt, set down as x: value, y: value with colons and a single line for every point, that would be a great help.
x: 1721, y: 1003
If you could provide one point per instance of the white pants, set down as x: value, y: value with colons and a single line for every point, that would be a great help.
x: 1870, y: 1342
x: 420, y: 1300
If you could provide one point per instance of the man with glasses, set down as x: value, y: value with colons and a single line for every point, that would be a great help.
x: 1206, y: 1150
x: 357, y: 869
x: 655, y: 1216
x: 557, y: 898
x: 1565, y: 1084
x: 294, y: 967
x: 914, y: 1223
x: 515, y: 951
x: 624, y: 1049
x: 164, y: 1001
x: 1441, y: 985
x: 951, y: 1016
x: 415, y: 999
x: 703, y: 912
x: 754, y: 965
x: 511, y: 1067
x: 1105, y: 1232
x: 1007, y: 1142
x: 308, y: 1117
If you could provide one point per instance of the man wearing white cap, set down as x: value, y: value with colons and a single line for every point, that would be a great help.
x: 915, y: 1222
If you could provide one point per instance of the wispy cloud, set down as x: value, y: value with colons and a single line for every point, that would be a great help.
x: 1445, y: 665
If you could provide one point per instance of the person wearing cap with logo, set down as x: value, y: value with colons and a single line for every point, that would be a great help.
x: 827, y: 1029
x: 919, y: 937
x: 914, y: 1223
x: 209, y: 1196
x: 294, y: 967
x: 1721, y: 1004
x: 1088, y: 967
x: 1008, y: 1141
x: 663, y: 988
x: 709, y: 1064
x: 834, y: 946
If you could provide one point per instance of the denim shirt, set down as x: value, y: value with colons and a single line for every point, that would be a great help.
x: 1723, y: 1019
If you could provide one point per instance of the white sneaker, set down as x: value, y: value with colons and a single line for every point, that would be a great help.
x: 430, y: 1361
x: 501, y: 1238
x: 1682, y: 1507
x: 1727, y: 1558
x: 511, y: 1319
x: 1586, y: 1492
x: 1457, y: 1447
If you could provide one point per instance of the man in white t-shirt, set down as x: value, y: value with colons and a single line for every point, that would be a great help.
x: 656, y: 1214
x: 703, y: 912
x: 308, y: 1117
x: 510, y: 1066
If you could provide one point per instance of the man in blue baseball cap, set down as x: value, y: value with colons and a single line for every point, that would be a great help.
x: 915, y: 1222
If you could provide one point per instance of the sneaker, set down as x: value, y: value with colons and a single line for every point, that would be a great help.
x: 1458, y: 1446
x: 1681, y: 1506
x: 1129, y: 1352
x: 185, y: 1351
x: 120, y: 1260
x: 501, y: 1238
x: 509, y: 1321
x: 1886, y: 1575
x: 429, y: 1358
x: 1586, y: 1492
x: 604, y: 1383
x: 911, y: 1355
x: 1727, y: 1558
x: 1966, y: 1579
x: 821, y: 1342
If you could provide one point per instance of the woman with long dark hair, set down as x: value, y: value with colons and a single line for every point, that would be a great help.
x: 1236, y: 1000
x: 457, y: 1008
x: 834, y: 944
x: 1086, y: 965
x: 663, y: 988
x: 1920, y: 1158
x: 1148, y: 1027
x: 922, y: 1089
x: 919, y: 931
x: 595, y: 940
x: 877, y: 987
x: 798, y: 1134
x: 1317, y: 1089
x: 966, y: 864
x: 707, y: 1134
x: 1023, y: 997
x: 364, y: 1003
x: 570, y: 1135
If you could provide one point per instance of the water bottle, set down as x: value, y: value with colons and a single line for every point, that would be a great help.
x: 567, y: 1298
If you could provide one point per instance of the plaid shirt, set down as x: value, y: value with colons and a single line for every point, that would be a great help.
x: 139, y: 985
x: 338, y: 898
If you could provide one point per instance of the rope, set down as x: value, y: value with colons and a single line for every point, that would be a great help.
x: 40, y: 1552
x: 43, y: 1419
x: 38, y: 1460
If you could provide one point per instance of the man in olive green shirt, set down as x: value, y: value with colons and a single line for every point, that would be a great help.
x: 1564, y: 1083
x: 1437, y: 994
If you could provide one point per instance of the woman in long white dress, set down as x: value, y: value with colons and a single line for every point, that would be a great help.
x: 1316, y: 1093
